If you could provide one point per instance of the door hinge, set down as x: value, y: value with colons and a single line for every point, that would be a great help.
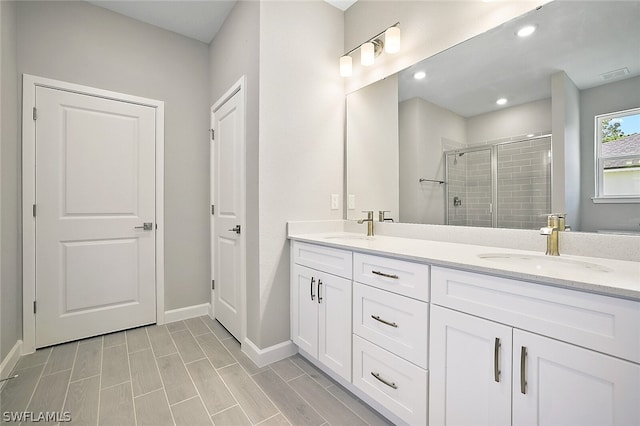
x: 34, y: 306
x: 213, y: 284
x: 34, y: 210
x: 35, y: 113
x: 213, y: 209
x: 213, y: 134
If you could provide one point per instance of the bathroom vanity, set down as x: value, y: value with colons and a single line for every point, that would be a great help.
x: 441, y: 333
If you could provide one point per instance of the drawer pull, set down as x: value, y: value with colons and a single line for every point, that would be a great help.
x: 496, y: 360
x: 523, y: 370
x: 311, y: 288
x: 391, y: 324
x: 386, y: 382
x: 382, y: 274
x: 319, y: 285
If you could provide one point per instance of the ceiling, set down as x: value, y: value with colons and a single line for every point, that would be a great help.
x: 584, y: 39
x: 199, y: 20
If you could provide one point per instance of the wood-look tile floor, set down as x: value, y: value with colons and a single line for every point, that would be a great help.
x: 188, y: 372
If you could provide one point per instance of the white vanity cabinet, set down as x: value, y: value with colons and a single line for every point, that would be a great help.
x: 390, y: 334
x: 510, y: 352
x: 321, y: 305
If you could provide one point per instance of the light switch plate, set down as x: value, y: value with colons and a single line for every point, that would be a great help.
x: 351, y: 202
x: 334, y: 202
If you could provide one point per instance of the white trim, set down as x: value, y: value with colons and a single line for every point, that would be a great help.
x: 615, y: 200
x: 187, y: 312
x: 262, y: 357
x: 9, y: 362
x: 29, y: 84
x: 238, y: 86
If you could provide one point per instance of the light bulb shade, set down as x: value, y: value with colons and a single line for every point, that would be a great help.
x: 367, y: 54
x: 392, y: 40
x: 346, y: 66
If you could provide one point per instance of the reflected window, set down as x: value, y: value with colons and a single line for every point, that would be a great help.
x: 618, y: 157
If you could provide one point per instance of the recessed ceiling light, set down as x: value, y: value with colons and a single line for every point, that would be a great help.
x: 526, y: 31
x: 501, y: 101
x: 419, y: 75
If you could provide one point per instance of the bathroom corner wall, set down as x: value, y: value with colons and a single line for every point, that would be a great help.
x: 301, y: 139
x: 10, y: 246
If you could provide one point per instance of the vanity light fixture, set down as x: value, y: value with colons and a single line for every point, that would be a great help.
x: 526, y: 31
x: 372, y: 48
x: 419, y: 75
x: 501, y: 101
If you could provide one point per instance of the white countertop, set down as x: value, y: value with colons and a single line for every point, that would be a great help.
x: 616, y: 278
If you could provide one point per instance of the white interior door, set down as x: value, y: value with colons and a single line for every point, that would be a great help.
x: 95, y: 185
x: 228, y: 156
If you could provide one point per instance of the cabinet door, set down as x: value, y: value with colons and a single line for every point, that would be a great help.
x: 562, y: 384
x: 334, y: 301
x: 469, y: 370
x: 304, y: 309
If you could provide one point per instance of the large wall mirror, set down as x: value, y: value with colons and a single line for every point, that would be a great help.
x: 433, y: 145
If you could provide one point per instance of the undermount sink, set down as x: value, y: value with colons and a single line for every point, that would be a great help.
x: 542, y: 262
x: 348, y: 237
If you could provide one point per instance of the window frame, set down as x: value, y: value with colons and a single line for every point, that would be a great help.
x: 599, y: 196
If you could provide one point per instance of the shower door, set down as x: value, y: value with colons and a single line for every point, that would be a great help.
x: 469, y: 187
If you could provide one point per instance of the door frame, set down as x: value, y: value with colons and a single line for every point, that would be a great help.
x: 29, y: 85
x: 239, y: 87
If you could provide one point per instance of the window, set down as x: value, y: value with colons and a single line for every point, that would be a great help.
x: 617, y: 137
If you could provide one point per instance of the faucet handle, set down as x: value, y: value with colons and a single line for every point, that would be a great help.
x: 369, y: 213
x: 381, y: 214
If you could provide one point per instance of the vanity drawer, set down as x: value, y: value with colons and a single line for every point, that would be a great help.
x: 334, y: 261
x: 396, y: 323
x: 398, y: 385
x: 603, y: 323
x: 398, y: 276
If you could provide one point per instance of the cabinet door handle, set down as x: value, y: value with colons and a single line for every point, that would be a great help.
x: 385, y: 381
x: 391, y: 324
x: 523, y: 370
x: 496, y: 360
x: 319, y: 285
x: 382, y: 274
x: 313, y: 280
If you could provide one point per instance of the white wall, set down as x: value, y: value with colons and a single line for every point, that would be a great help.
x: 234, y: 52
x: 428, y: 27
x: 530, y: 118
x: 301, y: 139
x: 565, y: 148
x: 10, y: 246
x: 372, y: 153
x: 616, y: 96
x: 81, y: 43
x: 425, y: 129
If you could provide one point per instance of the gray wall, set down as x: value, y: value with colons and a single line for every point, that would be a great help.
x: 10, y: 267
x: 604, y: 99
x: 85, y: 44
x: 234, y: 52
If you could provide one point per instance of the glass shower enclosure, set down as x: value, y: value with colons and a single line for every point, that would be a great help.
x: 503, y: 185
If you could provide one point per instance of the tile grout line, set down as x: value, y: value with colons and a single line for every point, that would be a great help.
x: 220, y: 377
x: 275, y: 415
x: 164, y: 389
x: 73, y: 365
x: 100, y: 382
x: 303, y: 398
x: 215, y: 371
x: 33, y: 392
x: 133, y: 400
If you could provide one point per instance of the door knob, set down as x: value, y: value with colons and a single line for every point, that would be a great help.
x: 147, y: 226
x: 235, y: 229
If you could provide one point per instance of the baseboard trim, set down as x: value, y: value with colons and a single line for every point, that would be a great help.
x: 10, y: 361
x: 187, y: 312
x: 262, y: 357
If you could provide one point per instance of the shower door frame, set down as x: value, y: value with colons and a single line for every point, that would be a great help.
x: 493, y: 150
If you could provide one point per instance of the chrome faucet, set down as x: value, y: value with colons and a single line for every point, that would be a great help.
x: 382, y: 218
x: 555, y: 223
x: 369, y: 221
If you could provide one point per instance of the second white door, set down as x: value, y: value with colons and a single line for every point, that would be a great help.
x: 228, y: 156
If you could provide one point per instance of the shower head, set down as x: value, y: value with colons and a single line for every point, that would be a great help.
x: 461, y: 154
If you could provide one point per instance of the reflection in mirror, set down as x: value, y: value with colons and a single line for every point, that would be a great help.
x: 497, y: 160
